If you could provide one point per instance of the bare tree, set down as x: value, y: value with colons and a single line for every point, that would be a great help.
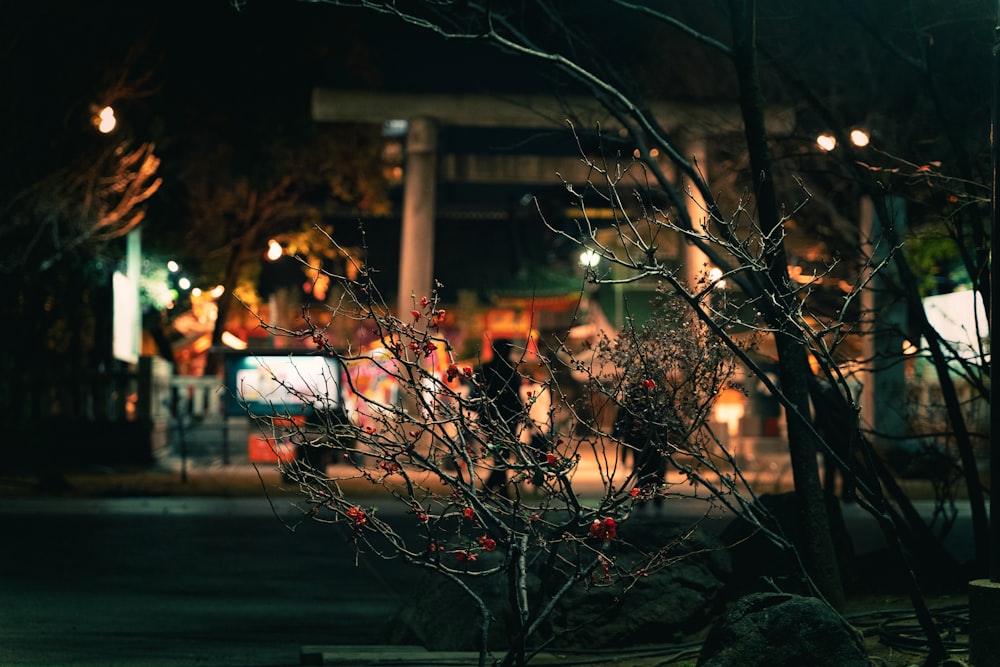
x: 79, y: 208
x: 745, y: 238
x: 233, y: 218
x: 764, y: 279
x: 518, y: 548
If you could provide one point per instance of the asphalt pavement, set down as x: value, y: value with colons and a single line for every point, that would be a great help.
x: 209, y: 478
x: 207, y: 564
x: 173, y: 581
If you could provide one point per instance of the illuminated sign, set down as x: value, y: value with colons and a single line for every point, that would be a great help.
x: 293, y: 384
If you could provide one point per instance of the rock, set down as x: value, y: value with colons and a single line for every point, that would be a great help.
x: 679, y: 599
x: 782, y: 630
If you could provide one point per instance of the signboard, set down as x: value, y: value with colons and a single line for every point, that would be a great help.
x: 285, y: 384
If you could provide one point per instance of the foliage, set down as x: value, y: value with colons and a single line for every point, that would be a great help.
x: 78, y: 210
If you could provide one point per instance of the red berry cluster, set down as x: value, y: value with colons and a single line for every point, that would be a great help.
x: 605, y: 531
x: 453, y: 372
x: 389, y: 466
x: 357, y: 515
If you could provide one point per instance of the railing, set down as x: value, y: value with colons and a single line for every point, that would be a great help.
x: 199, y: 427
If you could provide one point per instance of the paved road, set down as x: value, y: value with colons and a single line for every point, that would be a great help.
x: 178, y: 582
x: 166, y: 582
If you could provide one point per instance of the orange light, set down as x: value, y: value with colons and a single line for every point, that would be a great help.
x: 826, y: 142
x: 860, y: 138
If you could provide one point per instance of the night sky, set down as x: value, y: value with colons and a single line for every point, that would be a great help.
x: 200, y: 70
x: 197, y: 70
x: 206, y: 61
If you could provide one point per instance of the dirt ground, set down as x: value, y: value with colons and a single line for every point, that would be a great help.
x: 893, y: 636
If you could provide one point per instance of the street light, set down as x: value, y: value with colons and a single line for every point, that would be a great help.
x: 274, y: 251
x: 105, y: 120
x: 827, y: 142
x: 860, y: 138
x: 589, y: 258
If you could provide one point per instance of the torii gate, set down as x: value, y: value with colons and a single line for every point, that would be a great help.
x: 424, y: 112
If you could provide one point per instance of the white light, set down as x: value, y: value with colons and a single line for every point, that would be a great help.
x: 715, y: 277
x: 173, y: 266
x: 826, y: 142
x: 217, y: 291
x: 196, y: 292
x: 184, y: 283
x: 589, y: 259
x: 274, y: 250
x: 959, y: 318
x: 105, y: 120
x: 395, y: 127
x: 860, y: 138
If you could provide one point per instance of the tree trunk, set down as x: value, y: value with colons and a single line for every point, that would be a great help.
x: 793, y: 364
x: 214, y: 362
x: 820, y: 555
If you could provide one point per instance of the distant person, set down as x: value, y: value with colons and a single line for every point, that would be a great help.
x: 642, y: 438
x: 501, y: 410
x: 536, y: 397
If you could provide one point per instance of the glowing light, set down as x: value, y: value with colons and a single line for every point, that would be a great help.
x: 826, y: 142
x: 233, y: 341
x: 173, y: 266
x: 715, y: 277
x: 196, y: 292
x: 860, y: 138
x: 395, y: 127
x: 184, y: 283
x: 589, y: 259
x: 106, y: 120
x: 217, y: 291
x: 274, y: 250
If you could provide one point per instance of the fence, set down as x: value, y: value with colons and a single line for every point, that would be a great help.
x: 199, y: 426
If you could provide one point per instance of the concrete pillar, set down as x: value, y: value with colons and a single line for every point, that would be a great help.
x: 126, y: 335
x: 416, y: 254
x: 695, y: 261
x: 884, y: 382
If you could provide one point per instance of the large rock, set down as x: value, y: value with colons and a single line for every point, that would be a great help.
x: 681, y: 598
x: 782, y: 630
